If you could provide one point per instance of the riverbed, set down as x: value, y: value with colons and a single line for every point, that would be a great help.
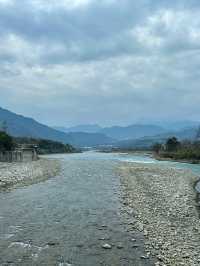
x: 72, y: 218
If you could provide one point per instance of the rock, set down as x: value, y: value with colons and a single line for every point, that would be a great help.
x: 186, y: 256
x: 51, y: 243
x: 140, y: 227
x: 80, y: 245
x: 65, y: 264
x: 104, y: 238
x: 120, y: 246
x: 106, y: 246
x: 145, y: 233
x: 160, y: 257
x: 133, y: 239
x: 144, y: 257
x: 135, y: 246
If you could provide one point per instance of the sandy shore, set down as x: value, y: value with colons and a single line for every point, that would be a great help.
x: 13, y: 174
x: 164, y: 204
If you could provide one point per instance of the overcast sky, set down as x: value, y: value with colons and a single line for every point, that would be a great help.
x: 66, y: 62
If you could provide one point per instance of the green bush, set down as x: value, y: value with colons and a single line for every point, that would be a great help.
x: 6, y: 142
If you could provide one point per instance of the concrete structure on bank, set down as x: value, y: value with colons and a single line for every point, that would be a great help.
x: 24, y: 153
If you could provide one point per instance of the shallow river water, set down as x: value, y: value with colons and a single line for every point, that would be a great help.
x: 66, y: 220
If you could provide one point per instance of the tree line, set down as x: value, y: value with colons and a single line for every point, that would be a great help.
x: 178, y: 150
x: 43, y: 146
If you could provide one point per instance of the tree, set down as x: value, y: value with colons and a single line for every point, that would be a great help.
x: 172, y: 144
x: 157, y: 147
x: 6, y: 142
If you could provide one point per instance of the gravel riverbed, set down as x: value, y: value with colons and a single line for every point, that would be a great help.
x: 13, y: 174
x: 164, y: 208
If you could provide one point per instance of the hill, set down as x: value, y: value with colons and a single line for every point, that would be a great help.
x: 82, y: 139
x: 21, y: 126
x: 117, y: 132
x: 147, y: 142
x: 132, y: 131
x: 81, y: 128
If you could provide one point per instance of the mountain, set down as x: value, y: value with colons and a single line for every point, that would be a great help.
x: 178, y: 125
x: 82, y: 139
x: 81, y: 128
x: 132, y: 131
x: 147, y: 142
x: 117, y: 132
x: 20, y: 126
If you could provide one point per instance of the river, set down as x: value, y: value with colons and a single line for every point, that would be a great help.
x: 67, y: 219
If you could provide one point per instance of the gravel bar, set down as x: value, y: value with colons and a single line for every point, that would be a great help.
x: 14, y: 174
x: 164, y: 207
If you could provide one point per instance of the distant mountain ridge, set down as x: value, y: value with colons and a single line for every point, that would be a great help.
x: 128, y: 136
x: 21, y: 126
x: 133, y: 131
x: 118, y: 132
x: 178, y: 125
x: 148, y: 141
x: 81, y: 128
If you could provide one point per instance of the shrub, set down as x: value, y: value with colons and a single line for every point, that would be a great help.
x: 6, y: 142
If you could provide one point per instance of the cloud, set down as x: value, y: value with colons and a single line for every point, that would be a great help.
x: 100, y: 61
x: 174, y: 30
x: 97, y: 30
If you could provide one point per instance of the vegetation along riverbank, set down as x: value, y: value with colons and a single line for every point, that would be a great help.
x: 44, y: 146
x: 182, y: 151
x: 164, y: 207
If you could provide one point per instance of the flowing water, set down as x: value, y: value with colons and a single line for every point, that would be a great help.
x: 66, y: 220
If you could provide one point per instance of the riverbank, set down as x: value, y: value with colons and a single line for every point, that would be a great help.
x: 162, y: 158
x: 164, y: 204
x: 14, y: 174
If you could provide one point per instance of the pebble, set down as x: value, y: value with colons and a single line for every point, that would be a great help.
x: 140, y: 227
x: 79, y: 245
x: 120, y: 246
x: 135, y: 246
x: 133, y: 239
x: 163, y: 200
x: 104, y: 226
x: 65, y: 264
x: 104, y: 238
x: 11, y: 174
x: 144, y: 257
x: 51, y: 243
x: 106, y: 246
x: 145, y: 233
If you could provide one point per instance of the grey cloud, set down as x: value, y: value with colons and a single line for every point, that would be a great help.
x: 96, y: 31
x: 107, y: 61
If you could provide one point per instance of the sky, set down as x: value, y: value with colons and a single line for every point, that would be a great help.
x: 109, y: 62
